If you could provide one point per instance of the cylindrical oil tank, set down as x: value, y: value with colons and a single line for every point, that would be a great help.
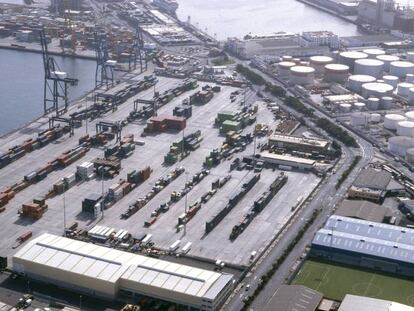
x: 375, y: 117
x: 303, y: 63
x: 355, y: 82
x: 373, y: 53
x: 405, y: 128
x: 373, y: 103
x: 409, y: 155
x: 348, y: 58
x: 403, y: 89
x: 400, y: 144
x: 319, y: 62
x: 370, y: 67
x: 391, y: 121
x: 409, y: 78
x: 388, y: 59
x: 410, y: 56
x: 410, y: 115
x: 376, y: 89
x: 387, y: 102
x: 336, y: 73
x: 401, y: 69
x: 345, y: 107
x: 360, y: 119
x: 302, y: 75
x: 391, y: 80
x: 287, y: 58
x: 296, y: 60
x: 411, y: 97
x: 284, y: 68
x: 359, y: 106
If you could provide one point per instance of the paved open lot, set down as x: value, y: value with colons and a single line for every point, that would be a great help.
x: 216, y: 245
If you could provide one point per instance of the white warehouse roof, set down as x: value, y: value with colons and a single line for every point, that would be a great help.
x: 104, y: 270
x: 360, y: 303
x: 371, y: 229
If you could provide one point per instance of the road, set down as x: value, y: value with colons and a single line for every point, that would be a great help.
x: 326, y: 199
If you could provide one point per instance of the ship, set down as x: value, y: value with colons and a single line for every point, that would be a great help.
x: 169, y: 6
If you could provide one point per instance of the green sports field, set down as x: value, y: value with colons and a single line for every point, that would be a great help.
x: 335, y: 281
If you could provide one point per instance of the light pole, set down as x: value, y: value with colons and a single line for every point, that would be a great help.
x: 80, y: 302
x: 64, y: 213
x: 185, y: 204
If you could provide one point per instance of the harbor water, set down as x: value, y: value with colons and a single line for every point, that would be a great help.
x: 21, y: 85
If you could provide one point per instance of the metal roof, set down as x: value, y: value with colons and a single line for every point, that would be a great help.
x: 364, y: 245
x: 371, y: 229
x: 111, y: 265
x: 372, y: 178
x: 293, y: 298
x: 299, y: 140
x: 360, y: 303
x: 364, y: 210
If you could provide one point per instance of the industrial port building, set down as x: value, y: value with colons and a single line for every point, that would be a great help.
x: 366, y: 244
x: 110, y: 273
x: 299, y: 143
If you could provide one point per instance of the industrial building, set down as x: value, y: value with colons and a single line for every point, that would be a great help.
x: 299, y: 143
x: 364, y: 210
x: 366, y: 244
x: 293, y: 298
x: 276, y: 45
x: 287, y: 161
x: 361, y: 303
x: 373, y: 184
x: 112, y: 274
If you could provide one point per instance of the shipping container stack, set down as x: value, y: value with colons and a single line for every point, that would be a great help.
x: 34, y: 210
x: 164, y: 123
x: 108, y: 167
x: 182, y: 148
x: 259, y: 205
x: 31, y: 144
x: 91, y: 204
x: 233, y: 201
x: 185, y: 111
x: 5, y: 196
x: 85, y: 171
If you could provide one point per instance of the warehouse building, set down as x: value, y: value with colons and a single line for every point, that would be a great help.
x: 361, y: 303
x: 366, y: 244
x: 364, y: 210
x: 286, y: 161
x: 374, y: 184
x: 297, y: 143
x: 112, y: 274
x: 293, y: 298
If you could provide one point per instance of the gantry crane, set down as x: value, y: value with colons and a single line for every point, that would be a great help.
x: 56, y: 82
x: 138, y: 52
x: 104, y: 74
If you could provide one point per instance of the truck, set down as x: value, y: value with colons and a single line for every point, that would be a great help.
x: 175, y: 246
x: 186, y: 248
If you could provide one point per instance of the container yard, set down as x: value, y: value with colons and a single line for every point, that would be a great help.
x: 164, y: 176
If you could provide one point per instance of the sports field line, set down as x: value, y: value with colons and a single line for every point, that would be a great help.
x: 369, y: 285
x: 323, y: 278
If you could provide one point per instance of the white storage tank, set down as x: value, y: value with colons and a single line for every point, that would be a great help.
x: 336, y: 73
x: 387, y: 102
x: 359, y: 106
x: 409, y: 155
x: 375, y: 117
x: 376, y: 89
x: 284, y: 68
x: 296, y: 60
x: 391, y: 80
x: 373, y: 53
x: 400, y: 144
x: 355, y: 82
x: 411, y: 97
x: 287, y: 58
x: 373, y: 103
x: 370, y: 67
x: 345, y: 107
x: 409, y: 78
x: 302, y: 75
x: 405, y: 128
x: 360, y: 119
x: 410, y: 56
x: 319, y: 62
x: 391, y: 121
x: 388, y: 59
x: 348, y: 58
x: 403, y: 89
x: 410, y: 115
x: 401, y: 68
